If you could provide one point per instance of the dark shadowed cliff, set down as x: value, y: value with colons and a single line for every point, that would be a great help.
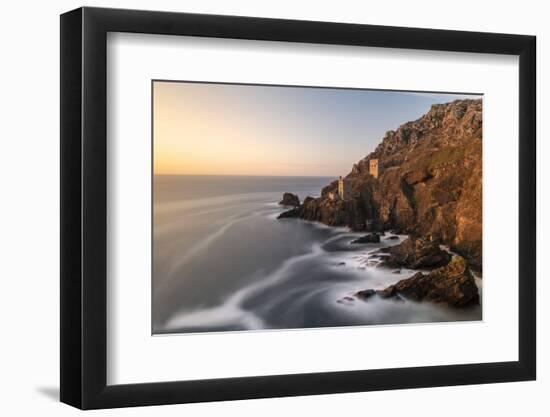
x: 429, y: 183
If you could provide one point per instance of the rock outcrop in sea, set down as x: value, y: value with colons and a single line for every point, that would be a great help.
x: 369, y: 238
x: 452, y: 285
x: 428, y: 183
x: 414, y: 253
x: 290, y: 199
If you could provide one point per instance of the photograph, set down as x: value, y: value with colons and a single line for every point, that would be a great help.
x: 294, y: 207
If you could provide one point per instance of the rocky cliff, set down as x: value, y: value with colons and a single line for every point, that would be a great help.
x: 429, y: 183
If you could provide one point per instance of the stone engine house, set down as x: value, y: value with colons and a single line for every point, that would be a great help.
x: 344, y: 185
x: 344, y: 188
x: 373, y: 167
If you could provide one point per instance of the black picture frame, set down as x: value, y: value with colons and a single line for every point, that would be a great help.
x: 84, y: 207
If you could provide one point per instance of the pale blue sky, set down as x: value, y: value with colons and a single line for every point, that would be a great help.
x: 231, y: 129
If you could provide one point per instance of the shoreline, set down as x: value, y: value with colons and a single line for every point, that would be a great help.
x: 374, y: 258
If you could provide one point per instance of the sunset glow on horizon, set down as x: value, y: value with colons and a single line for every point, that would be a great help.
x: 233, y: 129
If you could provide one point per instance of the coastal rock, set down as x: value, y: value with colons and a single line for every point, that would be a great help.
x: 388, y: 292
x: 429, y: 183
x: 452, y: 285
x: 290, y: 199
x: 415, y: 253
x: 370, y: 238
x: 292, y: 213
x: 365, y: 294
x: 346, y: 300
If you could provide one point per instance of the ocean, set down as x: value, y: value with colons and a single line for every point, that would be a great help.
x: 223, y: 262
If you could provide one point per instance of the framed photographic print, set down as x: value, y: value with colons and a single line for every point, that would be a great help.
x: 256, y: 208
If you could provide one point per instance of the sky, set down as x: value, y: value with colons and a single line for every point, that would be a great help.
x: 235, y: 129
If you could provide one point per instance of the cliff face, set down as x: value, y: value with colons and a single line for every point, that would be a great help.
x: 429, y: 183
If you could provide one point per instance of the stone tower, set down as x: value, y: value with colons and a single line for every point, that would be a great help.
x: 344, y: 191
x: 373, y: 167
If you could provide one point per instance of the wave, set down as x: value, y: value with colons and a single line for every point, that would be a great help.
x: 205, y: 243
x: 231, y: 311
x: 182, y: 205
x: 170, y: 226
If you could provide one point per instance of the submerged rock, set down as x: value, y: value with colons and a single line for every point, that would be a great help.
x: 370, y: 238
x: 452, y: 284
x: 415, y: 253
x: 292, y: 213
x: 290, y: 199
x: 347, y: 300
x: 365, y: 294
